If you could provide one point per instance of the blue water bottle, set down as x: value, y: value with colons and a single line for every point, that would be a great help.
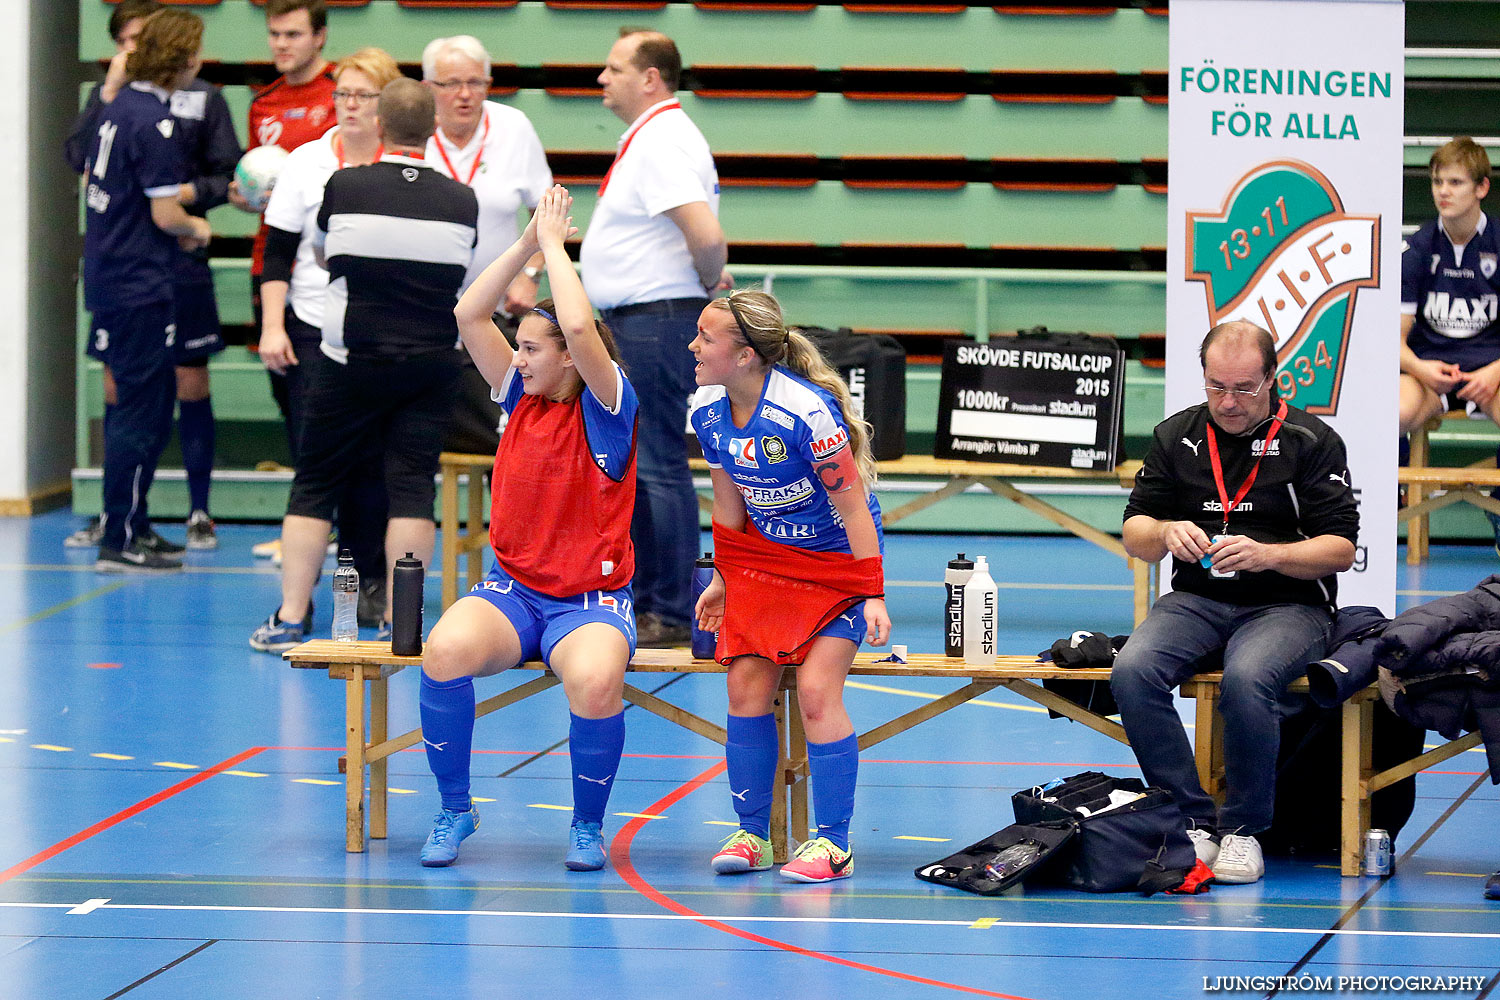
x: 704, y: 643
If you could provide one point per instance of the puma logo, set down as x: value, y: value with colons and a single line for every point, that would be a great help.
x: 597, y: 781
x: 849, y: 619
x: 439, y: 747
x: 1193, y: 445
x: 1340, y: 479
x: 739, y: 795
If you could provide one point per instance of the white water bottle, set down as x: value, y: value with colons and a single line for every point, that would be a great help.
x: 979, y: 614
x: 346, y: 599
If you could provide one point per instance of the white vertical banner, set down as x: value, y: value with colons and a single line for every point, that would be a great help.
x: 1284, y: 209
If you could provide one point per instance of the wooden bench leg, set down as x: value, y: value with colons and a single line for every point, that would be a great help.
x: 451, y: 539
x: 1208, y: 738
x: 783, y: 781
x: 379, y: 769
x: 1357, y: 761
x: 354, y: 762
x: 477, y: 539
x: 797, y: 773
x: 1417, y: 527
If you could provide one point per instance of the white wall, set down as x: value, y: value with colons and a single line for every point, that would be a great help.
x: 38, y: 247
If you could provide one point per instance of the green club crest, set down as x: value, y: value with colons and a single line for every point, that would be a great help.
x: 1282, y: 253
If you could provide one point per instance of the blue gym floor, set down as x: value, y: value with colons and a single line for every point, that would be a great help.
x: 174, y: 824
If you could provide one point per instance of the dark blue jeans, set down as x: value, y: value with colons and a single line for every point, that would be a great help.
x: 1265, y: 647
x: 653, y: 338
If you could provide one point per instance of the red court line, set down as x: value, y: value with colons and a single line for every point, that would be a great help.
x: 127, y: 813
x: 620, y: 858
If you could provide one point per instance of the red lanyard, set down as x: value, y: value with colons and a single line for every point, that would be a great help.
x: 478, y: 155
x: 669, y: 106
x: 338, y: 150
x: 1213, y: 457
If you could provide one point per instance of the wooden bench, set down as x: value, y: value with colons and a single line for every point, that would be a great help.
x: 369, y: 746
x: 1433, y: 488
x: 468, y: 538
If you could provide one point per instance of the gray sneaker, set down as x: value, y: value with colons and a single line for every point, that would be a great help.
x: 200, y: 531
x: 1240, y: 861
x: 86, y: 537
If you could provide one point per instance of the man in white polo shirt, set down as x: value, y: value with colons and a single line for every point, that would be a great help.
x: 653, y: 253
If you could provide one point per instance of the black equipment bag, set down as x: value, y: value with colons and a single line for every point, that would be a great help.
x: 1140, y: 844
x: 874, y: 366
x: 1001, y: 860
x: 1306, y: 820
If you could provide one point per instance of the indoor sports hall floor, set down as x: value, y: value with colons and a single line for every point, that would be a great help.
x: 171, y: 825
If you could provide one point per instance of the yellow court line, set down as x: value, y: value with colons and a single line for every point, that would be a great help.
x: 546, y: 805
x: 719, y: 822
x: 175, y: 764
x: 1434, y: 746
x: 641, y: 815
x: 245, y: 774
x: 6, y: 739
x: 480, y: 798
x: 53, y: 748
x: 119, y: 756
x: 315, y: 781
x: 983, y: 923
x: 1460, y: 874
x: 928, y: 840
x: 879, y: 689
x: 64, y: 606
x: 402, y: 791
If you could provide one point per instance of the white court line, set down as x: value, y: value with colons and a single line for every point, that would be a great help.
x: 742, y: 919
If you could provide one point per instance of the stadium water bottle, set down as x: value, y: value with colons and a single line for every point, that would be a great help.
x: 406, y: 606
x: 345, y: 599
x: 704, y: 643
x: 979, y: 615
x: 959, y: 571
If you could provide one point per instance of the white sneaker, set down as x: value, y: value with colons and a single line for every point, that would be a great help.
x: 1204, y: 845
x: 1240, y: 861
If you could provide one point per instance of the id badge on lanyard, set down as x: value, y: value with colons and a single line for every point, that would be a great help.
x: 1225, y: 504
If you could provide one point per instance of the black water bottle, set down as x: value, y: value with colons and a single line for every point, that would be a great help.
x: 406, y: 607
x: 704, y: 643
x: 959, y: 571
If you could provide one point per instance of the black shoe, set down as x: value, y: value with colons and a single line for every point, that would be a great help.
x: 371, y: 608
x: 651, y: 631
x: 150, y: 541
x: 1492, y: 887
x: 135, y: 558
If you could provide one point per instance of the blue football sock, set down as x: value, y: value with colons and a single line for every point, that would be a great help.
x: 834, y: 769
x: 447, y: 711
x: 195, y: 430
x: 751, y: 751
x: 595, y: 746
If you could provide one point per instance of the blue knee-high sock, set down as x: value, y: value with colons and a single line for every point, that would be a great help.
x: 195, y: 429
x: 751, y: 751
x: 834, y: 769
x: 447, y: 709
x: 595, y: 746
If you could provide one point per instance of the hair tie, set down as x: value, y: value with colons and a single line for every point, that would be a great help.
x: 546, y: 316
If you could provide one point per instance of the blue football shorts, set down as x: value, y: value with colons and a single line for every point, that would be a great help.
x: 542, y: 621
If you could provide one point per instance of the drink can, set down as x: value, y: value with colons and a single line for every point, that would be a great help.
x: 1377, y: 853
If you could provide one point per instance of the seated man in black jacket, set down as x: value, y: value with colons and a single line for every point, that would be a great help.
x: 1251, y: 497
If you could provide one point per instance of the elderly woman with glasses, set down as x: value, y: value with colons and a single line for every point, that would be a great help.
x: 490, y: 147
x: 798, y: 579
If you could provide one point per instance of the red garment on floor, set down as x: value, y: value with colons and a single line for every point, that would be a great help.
x: 778, y: 597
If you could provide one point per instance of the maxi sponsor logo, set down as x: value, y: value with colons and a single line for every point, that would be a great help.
x: 1282, y: 253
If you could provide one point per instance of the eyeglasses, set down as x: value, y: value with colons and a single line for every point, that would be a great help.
x: 357, y: 96
x: 1219, y: 392
x: 475, y: 86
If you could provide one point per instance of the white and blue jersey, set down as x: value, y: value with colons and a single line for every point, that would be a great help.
x: 772, y: 460
x: 134, y: 156
x: 1454, y: 294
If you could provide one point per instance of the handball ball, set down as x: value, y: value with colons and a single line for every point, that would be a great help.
x: 256, y: 174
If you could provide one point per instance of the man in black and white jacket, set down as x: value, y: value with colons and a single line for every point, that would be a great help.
x: 398, y: 238
x: 1251, y: 498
